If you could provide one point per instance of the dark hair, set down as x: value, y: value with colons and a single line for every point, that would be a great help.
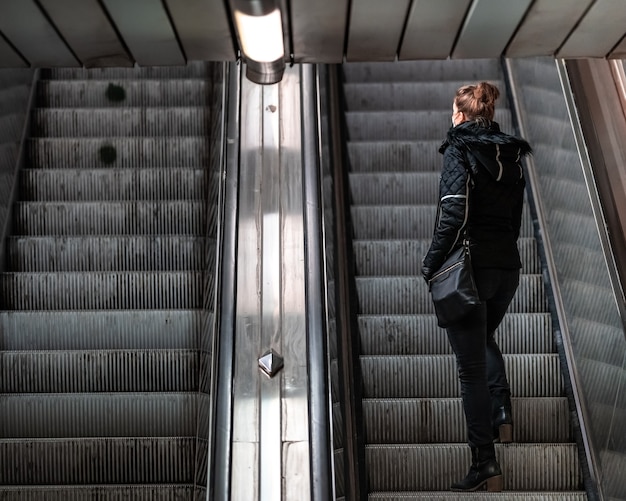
x: 477, y: 101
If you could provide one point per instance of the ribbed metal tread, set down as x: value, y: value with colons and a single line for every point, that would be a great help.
x: 394, y: 188
x: 396, y: 156
x: 404, y: 257
x: 98, y: 461
x: 174, y: 217
x: 122, y: 122
x: 441, y: 420
x: 609, y: 351
x: 435, y: 376
x: 131, y: 152
x: 410, y: 295
x: 433, y: 71
x: 160, y: 492
x: 113, y: 184
x: 99, y: 371
x: 406, y: 125
x: 420, y: 334
x: 415, y: 95
x: 525, y: 467
x: 481, y: 495
x: 102, y: 330
x: 107, y: 290
x: 403, y: 222
x: 57, y: 415
x: 111, y: 253
x: 193, y: 69
x: 122, y: 93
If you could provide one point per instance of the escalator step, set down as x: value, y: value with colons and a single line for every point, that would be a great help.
x: 525, y: 467
x: 191, y: 70
x: 107, y: 290
x: 99, y: 371
x: 435, y: 376
x: 161, y: 492
x: 394, y: 188
x: 396, y: 156
x: 481, y: 495
x: 441, y: 420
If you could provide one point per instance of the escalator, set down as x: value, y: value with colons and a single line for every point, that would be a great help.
x: 107, y: 291
x: 396, y: 115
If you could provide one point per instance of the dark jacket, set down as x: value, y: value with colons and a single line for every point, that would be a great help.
x: 481, y: 192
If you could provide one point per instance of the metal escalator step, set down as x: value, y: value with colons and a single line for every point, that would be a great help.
x: 191, y: 70
x: 143, y: 93
x: 106, y: 290
x: 396, y: 156
x: 525, y: 467
x: 99, y: 371
x: 404, y: 222
x: 610, y: 351
x: 584, y: 263
x: 606, y: 382
x: 102, y: 330
x: 409, y: 295
x: 416, y: 95
x: 435, y: 376
x: 420, y: 335
x: 441, y: 420
x: 113, y: 184
x: 127, y: 460
x: 106, y: 218
x: 400, y: 71
x: 111, y: 253
x: 161, y: 492
x: 70, y: 153
x: 614, y: 466
x: 395, y: 188
x: 52, y: 415
x: 122, y: 122
x: 407, y: 125
x: 481, y: 495
x: 404, y: 257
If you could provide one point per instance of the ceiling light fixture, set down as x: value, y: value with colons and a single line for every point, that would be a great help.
x: 260, y: 31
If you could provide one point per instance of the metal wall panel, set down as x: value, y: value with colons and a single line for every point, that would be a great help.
x: 8, y: 57
x: 87, y: 29
x: 599, y: 31
x: 431, y: 28
x: 546, y: 25
x: 368, y: 41
x: 203, y: 29
x: 37, y: 40
x: 147, y: 31
x: 318, y: 30
x: 484, y: 37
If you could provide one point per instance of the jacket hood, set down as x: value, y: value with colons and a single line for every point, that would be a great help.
x: 498, y: 152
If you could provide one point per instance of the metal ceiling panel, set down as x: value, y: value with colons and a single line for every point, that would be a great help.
x: 87, y: 30
x: 318, y: 30
x: 8, y: 57
x: 375, y: 29
x: 431, y: 28
x: 203, y: 29
x: 489, y: 26
x: 546, y: 25
x: 27, y: 28
x: 599, y: 31
x: 145, y: 27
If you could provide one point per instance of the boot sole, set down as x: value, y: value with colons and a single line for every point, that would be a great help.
x: 492, y: 484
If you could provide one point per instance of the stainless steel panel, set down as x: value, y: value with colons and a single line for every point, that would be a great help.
x: 546, y: 25
x: 8, y: 57
x: 375, y: 30
x: 602, y: 27
x: 488, y: 27
x: 146, y: 29
x: 203, y: 29
x: 36, y: 39
x: 318, y: 30
x: 431, y: 29
x: 88, y: 31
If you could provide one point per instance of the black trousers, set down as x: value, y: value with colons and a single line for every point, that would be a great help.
x: 479, y: 361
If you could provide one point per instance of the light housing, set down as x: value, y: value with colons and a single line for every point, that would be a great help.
x: 260, y: 32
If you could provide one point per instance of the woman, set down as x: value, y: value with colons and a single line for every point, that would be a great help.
x: 481, y: 196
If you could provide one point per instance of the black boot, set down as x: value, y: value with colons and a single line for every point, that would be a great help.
x: 484, y: 473
x: 502, y: 418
